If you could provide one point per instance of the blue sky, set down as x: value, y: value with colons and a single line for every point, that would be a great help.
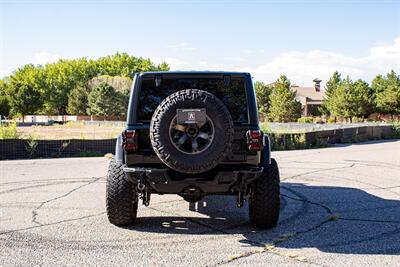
x: 302, y: 39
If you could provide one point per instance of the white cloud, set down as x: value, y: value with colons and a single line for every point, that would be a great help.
x: 46, y: 57
x: 174, y: 63
x: 302, y: 67
x: 203, y: 63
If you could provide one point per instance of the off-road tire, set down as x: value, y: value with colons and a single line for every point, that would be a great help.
x: 121, y: 196
x: 223, y: 131
x: 264, y: 198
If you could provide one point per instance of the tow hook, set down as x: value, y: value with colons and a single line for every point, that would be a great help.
x: 146, y: 197
x: 240, y: 200
x: 241, y: 193
x: 140, y: 187
x: 143, y: 191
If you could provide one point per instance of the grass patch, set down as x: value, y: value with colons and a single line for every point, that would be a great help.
x: 269, y: 246
x: 108, y: 156
x: 234, y: 257
x: 333, y: 217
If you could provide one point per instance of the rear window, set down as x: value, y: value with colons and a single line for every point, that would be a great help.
x: 232, y: 95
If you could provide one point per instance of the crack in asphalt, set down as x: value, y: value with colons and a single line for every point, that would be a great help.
x: 280, y: 240
x: 367, y: 220
x: 317, y: 171
x: 374, y: 163
x: 302, y: 198
x: 346, y: 167
x: 35, y: 211
x: 254, y: 242
x: 63, y: 181
x: 35, y: 181
x: 51, y: 224
x: 365, y: 183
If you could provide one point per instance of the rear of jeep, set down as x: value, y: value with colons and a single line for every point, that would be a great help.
x: 193, y: 134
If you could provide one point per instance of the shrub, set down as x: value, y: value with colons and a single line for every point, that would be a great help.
x: 31, y: 146
x: 8, y: 131
x: 396, y: 128
x: 356, y: 119
x: 331, y: 120
x: 305, y: 120
x: 288, y: 141
x: 266, y: 128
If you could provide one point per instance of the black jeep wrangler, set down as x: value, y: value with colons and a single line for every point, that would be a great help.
x: 193, y: 134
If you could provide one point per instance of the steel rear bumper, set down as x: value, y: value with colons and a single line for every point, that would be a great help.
x: 223, y: 182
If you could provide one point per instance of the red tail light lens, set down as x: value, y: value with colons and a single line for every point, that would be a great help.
x: 130, y: 140
x: 255, y: 140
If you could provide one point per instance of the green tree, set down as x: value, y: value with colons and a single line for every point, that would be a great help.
x: 61, y: 78
x: 122, y: 64
x: 330, y: 89
x: 56, y: 80
x: 361, y: 99
x: 4, y: 101
x: 283, y: 105
x: 124, y: 100
x: 347, y: 99
x: 339, y: 100
x: 387, y: 90
x: 103, y: 100
x: 263, y: 92
x: 78, y: 101
x: 26, y: 90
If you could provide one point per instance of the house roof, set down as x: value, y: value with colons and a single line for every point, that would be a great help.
x: 309, y: 93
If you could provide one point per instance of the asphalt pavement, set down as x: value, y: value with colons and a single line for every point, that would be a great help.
x: 340, y: 207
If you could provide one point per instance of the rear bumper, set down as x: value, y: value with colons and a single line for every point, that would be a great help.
x: 160, y: 180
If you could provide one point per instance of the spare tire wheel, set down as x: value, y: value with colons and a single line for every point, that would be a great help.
x: 191, y: 131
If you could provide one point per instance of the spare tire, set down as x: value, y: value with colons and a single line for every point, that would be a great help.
x: 191, y: 147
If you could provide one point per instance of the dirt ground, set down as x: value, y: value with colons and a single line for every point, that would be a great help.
x: 69, y: 131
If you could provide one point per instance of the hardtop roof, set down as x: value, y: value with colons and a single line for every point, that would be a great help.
x: 193, y: 72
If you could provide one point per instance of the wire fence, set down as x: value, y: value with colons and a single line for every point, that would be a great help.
x: 30, y: 148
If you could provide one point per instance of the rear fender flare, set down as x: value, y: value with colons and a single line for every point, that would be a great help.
x: 266, y: 152
x: 119, y: 152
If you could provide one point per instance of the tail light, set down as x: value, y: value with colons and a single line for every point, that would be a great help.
x: 255, y: 140
x: 130, y: 140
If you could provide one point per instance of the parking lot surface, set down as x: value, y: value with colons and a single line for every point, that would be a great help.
x: 340, y: 207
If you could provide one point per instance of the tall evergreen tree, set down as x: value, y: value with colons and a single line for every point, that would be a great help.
x: 330, y: 88
x: 263, y: 92
x: 361, y: 99
x: 78, y: 101
x: 103, y: 100
x: 387, y: 90
x: 283, y: 105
